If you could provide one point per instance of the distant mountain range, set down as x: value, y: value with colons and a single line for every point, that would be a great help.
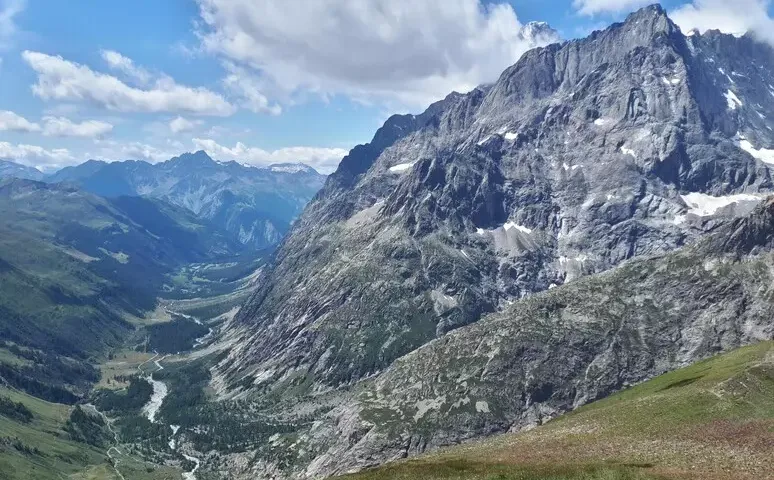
x: 11, y: 169
x: 255, y: 205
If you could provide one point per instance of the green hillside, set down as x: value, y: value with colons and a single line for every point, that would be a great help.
x: 75, y: 269
x: 713, y: 420
x: 50, y: 447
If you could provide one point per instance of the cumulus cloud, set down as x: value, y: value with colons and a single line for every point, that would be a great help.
x: 53, y: 126
x: 126, y: 65
x: 404, y: 50
x: 11, y: 121
x: 594, y: 7
x: 246, y: 89
x: 735, y: 17
x: 180, y: 124
x: 114, y: 151
x: 64, y: 127
x: 324, y: 160
x: 60, y: 79
x: 36, y: 156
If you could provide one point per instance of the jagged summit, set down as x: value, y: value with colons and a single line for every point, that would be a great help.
x: 196, y: 159
x: 256, y: 205
x: 582, y: 155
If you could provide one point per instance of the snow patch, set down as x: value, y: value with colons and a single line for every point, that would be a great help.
x: 511, y: 225
x: 733, y: 100
x: 705, y: 205
x: 765, y: 155
x: 600, y: 122
x: 510, y: 136
x: 628, y: 151
x: 482, y: 407
x: 401, y: 167
x: 483, y: 140
x: 290, y: 168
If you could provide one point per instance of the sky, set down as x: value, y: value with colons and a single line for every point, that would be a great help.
x: 262, y: 81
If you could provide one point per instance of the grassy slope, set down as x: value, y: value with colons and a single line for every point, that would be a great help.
x: 59, y: 456
x: 712, y: 420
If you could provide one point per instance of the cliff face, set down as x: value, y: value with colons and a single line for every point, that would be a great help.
x: 631, y: 142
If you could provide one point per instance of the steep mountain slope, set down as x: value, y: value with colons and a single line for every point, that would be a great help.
x: 545, y: 355
x: 11, y: 169
x: 582, y: 155
x: 256, y: 205
x: 558, y: 350
x: 74, y: 267
x: 711, y: 420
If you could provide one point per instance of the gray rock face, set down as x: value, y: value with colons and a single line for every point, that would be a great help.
x: 15, y: 170
x: 631, y: 142
x: 574, y: 161
x: 558, y: 350
x: 256, y: 205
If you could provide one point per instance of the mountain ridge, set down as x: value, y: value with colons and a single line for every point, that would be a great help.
x: 256, y: 204
x: 460, y: 172
x: 584, y: 155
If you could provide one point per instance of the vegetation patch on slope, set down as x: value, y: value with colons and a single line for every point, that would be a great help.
x: 713, y: 420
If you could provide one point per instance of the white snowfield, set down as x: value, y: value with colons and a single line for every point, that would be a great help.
x: 401, y: 167
x: 521, y: 228
x: 705, y: 205
x: 765, y: 155
x: 733, y: 100
x: 628, y: 151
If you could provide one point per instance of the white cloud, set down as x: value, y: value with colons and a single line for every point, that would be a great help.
x: 10, y: 121
x: 113, y: 151
x: 53, y: 126
x: 246, y: 89
x: 59, y: 79
x: 8, y: 10
x: 324, y: 160
x: 36, y: 156
x: 126, y: 65
x: 735, y: 17
x: 406, y: 50
x: 64, y: 127
x: 181, y: 124
x: 593, y: 7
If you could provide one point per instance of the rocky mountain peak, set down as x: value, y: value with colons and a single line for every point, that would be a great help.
x: 195, y: 159
x: 584, y: 154
x: 539, y: 33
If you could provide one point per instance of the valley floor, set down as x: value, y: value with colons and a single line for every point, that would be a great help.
x: 711, y: 421
x: 123, y: 444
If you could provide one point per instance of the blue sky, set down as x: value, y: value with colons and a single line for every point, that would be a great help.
x: 261, y: 81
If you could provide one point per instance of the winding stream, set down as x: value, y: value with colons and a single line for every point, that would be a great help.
x: 160, y: 391
x: 151, y: 409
